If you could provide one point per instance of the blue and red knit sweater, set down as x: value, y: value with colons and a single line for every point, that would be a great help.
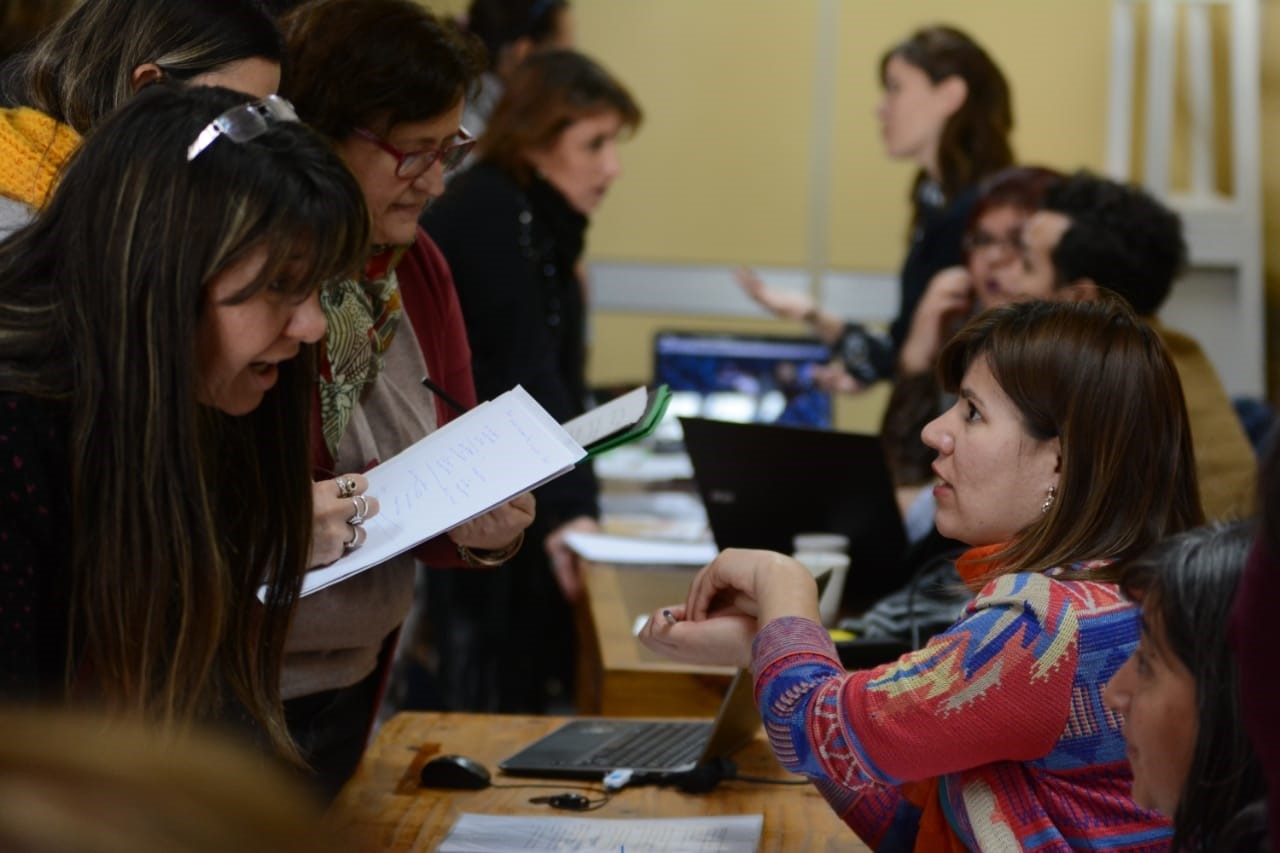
x: 993, y: 736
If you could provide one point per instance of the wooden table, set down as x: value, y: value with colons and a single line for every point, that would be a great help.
x: 385, y: 807
x: 618, y: 677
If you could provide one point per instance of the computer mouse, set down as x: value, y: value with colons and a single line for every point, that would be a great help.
x: 454, y: 771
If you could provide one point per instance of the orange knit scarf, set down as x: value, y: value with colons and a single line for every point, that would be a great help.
x: 33, y: 150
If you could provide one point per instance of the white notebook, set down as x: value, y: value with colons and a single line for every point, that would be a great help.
x: 470, y: 465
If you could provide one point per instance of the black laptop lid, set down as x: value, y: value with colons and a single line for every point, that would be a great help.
x: 764, y: 483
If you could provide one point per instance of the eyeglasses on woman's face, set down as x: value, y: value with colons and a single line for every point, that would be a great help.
x: 413, y: 164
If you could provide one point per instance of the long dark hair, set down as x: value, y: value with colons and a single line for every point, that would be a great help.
x: 82, y: 70
x: 179, y: 512
x: 1097, y: 378
x: 1187, y: 585
x: 975, y: 139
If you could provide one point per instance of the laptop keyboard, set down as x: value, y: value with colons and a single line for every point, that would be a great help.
x: 654, y: 745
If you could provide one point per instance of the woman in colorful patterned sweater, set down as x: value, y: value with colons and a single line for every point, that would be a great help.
x: 1066, y: 454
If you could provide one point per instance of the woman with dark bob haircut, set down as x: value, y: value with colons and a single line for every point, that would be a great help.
x: 155, y: 370
x: 512, y: 228
x: 384, y: 81
x: 993, y: 735
x: 1179, y: 693
x: 946, y: 108
x: 98, y: 56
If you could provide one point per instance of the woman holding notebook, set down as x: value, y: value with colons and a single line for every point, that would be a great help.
x: 384, y: 81
x: 994, y: 735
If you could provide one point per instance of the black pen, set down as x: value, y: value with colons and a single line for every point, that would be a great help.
x: 443, y: 395
x: 671, y: 619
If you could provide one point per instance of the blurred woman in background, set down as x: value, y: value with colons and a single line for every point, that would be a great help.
x: 947, y: 109
x: 512, y: 229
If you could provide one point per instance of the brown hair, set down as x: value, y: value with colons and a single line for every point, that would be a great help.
x: 82, y: 70
x: 1097, y: 378
x: 374, y: 64
x: 975, y: 139
x: 548, y: 92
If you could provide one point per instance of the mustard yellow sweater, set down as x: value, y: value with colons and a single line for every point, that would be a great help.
x: 33, y: 150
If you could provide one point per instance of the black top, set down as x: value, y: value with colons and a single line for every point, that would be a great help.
x: 514, y: 253
x: 936, y: 243
x: 35, y: 547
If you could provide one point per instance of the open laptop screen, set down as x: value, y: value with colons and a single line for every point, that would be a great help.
x: 743, y: 378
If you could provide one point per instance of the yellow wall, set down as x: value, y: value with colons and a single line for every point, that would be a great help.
x: 720, y: 171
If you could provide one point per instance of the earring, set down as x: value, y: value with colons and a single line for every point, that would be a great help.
x: 1048, y: 502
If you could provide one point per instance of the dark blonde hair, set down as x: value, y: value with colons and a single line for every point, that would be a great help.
x: 1097, y: 378
x: 548, y: 92
x: 179, y: 512
x: 975, y: 139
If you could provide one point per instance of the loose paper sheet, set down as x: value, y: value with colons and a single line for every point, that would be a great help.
x: 477, y: 833
x: 606, y: 548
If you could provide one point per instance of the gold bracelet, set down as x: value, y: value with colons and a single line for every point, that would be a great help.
x: 473, y: 557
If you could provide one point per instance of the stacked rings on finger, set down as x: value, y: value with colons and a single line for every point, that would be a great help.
x: 346, y: 486
x: 358, y: 535
x: 361, y: 505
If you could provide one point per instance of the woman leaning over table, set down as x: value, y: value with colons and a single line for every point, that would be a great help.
x: 1066, y: 454
x: 512, y: 228
x: 98, y: 57
x: 155, y: 323
x: 384, y: 80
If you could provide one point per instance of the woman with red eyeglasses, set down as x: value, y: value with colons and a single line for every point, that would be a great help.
x: 384, y: 80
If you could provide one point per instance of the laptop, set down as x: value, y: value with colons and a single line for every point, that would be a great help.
x: 741, y: 377
x: 764, y: 483
x: 590, y: 748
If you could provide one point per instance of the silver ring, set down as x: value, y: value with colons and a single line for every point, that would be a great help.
x: 346, y: 486
x: 361, y: 506
x: 358, y: 535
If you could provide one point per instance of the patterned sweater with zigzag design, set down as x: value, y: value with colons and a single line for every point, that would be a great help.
x: 993, y: 736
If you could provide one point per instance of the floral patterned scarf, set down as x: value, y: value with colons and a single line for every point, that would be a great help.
x: 362, y: 316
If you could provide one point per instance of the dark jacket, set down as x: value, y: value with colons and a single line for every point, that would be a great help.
x: 514, y: 254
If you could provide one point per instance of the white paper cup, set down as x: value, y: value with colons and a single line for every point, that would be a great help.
x: 818, y: 562
x: 830, y: 543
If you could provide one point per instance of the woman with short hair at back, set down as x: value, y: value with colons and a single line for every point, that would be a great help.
x: 946, y: 108
x: 512, y: 228
x: 156, y: 319
x: 1179, y: 693
x: 102, y: 53
x: 1066, y: 454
